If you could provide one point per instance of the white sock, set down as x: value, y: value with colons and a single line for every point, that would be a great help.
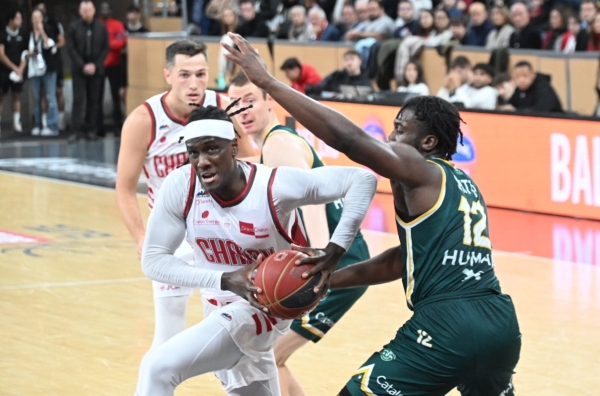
x: 44, y: 123
x: 17, y: 118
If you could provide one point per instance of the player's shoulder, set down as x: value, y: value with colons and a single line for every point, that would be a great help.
x: 141, y: 116
x: 179, y: 179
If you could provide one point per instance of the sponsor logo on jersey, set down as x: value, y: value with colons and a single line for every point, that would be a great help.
x: 321, y: 317
x: 164, y: 287
x: 387, y: 356
x: 388, y: 387
x: 205, y: 214
x: 162, y: 127
x: 227, y: 316
x: 250, y: 229
x: 225, y: 251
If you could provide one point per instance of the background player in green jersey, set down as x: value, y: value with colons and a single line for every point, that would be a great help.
x: 282, y: 146
x: 464, y: 332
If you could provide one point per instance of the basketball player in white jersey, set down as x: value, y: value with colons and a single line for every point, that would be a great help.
x: 231, y: 212
x: 150, y: 141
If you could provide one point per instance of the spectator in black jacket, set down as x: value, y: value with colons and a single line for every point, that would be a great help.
x: 525, y: 36
x: 88, y: 47
x: 253, y: 25
x: 533, y: 92
x: 351, y: 74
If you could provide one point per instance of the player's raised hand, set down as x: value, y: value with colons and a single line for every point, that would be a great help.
x: 240, y: 283
x: 248, y: 59
x: 325, y: 261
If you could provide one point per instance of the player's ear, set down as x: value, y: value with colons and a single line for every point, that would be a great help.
x: 234, y: 147
x: 167, y: 74
x: 429, y: 142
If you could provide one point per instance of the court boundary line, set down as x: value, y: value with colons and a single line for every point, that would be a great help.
x: 79, y: 184
x: 60, y: 181
x: 74, y: 283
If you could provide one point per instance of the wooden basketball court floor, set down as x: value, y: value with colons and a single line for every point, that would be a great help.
x: 77, y: 313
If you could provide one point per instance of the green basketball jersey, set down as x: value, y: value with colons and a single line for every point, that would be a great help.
x: 357, y: 251
x: 448, y: 249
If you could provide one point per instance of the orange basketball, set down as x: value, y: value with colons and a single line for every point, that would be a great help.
x: 285, y: 293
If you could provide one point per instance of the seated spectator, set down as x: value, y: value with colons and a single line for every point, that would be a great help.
x: 479, y: 94
x: 499, y: 37
x: 525, y: 36
x: 439, y: 36
x: 351, y: 74
x: 451, y: 7
x: 322, y: 30
x: 579, y: 37
x: 558, y: 38
x: 300, y: 30
x: 406, y: 24
x: 458, y: 27
x: 460, y: 74
x: 134, y: 21
x: 362, y: 10
x: 412, y: 81
x: 480, y: 25
x: 349, y: 20
x: 594, y: 41
x: 252, y: 25
x: 378, y: 27
x: 533, y: 91
x: 587, y: 12
x: 299, y: 74
x: 505, y: 87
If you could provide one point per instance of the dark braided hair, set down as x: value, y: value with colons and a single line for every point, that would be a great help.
x: 440, y: 118
x: 214, y: 113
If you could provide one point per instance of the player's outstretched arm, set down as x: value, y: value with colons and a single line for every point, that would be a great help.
x: 135, y: 138
x: 293, y: 188
x: 398, y: 162
x: 385, y: 267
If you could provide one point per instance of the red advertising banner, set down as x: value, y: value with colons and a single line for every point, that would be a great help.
x: 545, y: 165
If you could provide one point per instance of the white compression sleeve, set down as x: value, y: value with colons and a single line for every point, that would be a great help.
x: 294, y: 187
x: 164, y: 234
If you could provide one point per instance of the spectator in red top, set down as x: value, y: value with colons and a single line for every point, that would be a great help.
x: 299, y: 74
x: 117, y: 40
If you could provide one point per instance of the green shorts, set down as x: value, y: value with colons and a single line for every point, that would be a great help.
x: 336, y: 303
x: 473, y: 344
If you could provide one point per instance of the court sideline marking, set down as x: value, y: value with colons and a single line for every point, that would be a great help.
x: 75, y: 283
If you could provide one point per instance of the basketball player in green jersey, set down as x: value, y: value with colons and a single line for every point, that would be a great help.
x: 464, y: 331
x: 282, y: 146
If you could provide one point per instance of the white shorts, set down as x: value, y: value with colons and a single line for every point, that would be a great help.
x: 255, y: 333
x: 162, y: 290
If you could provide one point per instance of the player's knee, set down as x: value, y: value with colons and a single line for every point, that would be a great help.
x: 159, y: 371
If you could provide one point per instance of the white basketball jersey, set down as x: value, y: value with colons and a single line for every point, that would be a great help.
x: 228, y: 235
x: 165, y: 152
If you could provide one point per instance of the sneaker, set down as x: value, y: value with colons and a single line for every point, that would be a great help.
x: 17, y: 126
x: 35, y: 131
x: 49, y: 132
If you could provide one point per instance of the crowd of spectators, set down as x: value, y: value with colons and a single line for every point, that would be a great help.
x: 387, y: 37
x: 95, y: 43
x: 390, y: 35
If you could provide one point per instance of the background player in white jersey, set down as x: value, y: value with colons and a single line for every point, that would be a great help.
x: 150, y: 141
x: 236, y: 212
x: 282, y: 146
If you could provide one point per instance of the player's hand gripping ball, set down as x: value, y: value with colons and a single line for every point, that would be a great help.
x: 284, y: 292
